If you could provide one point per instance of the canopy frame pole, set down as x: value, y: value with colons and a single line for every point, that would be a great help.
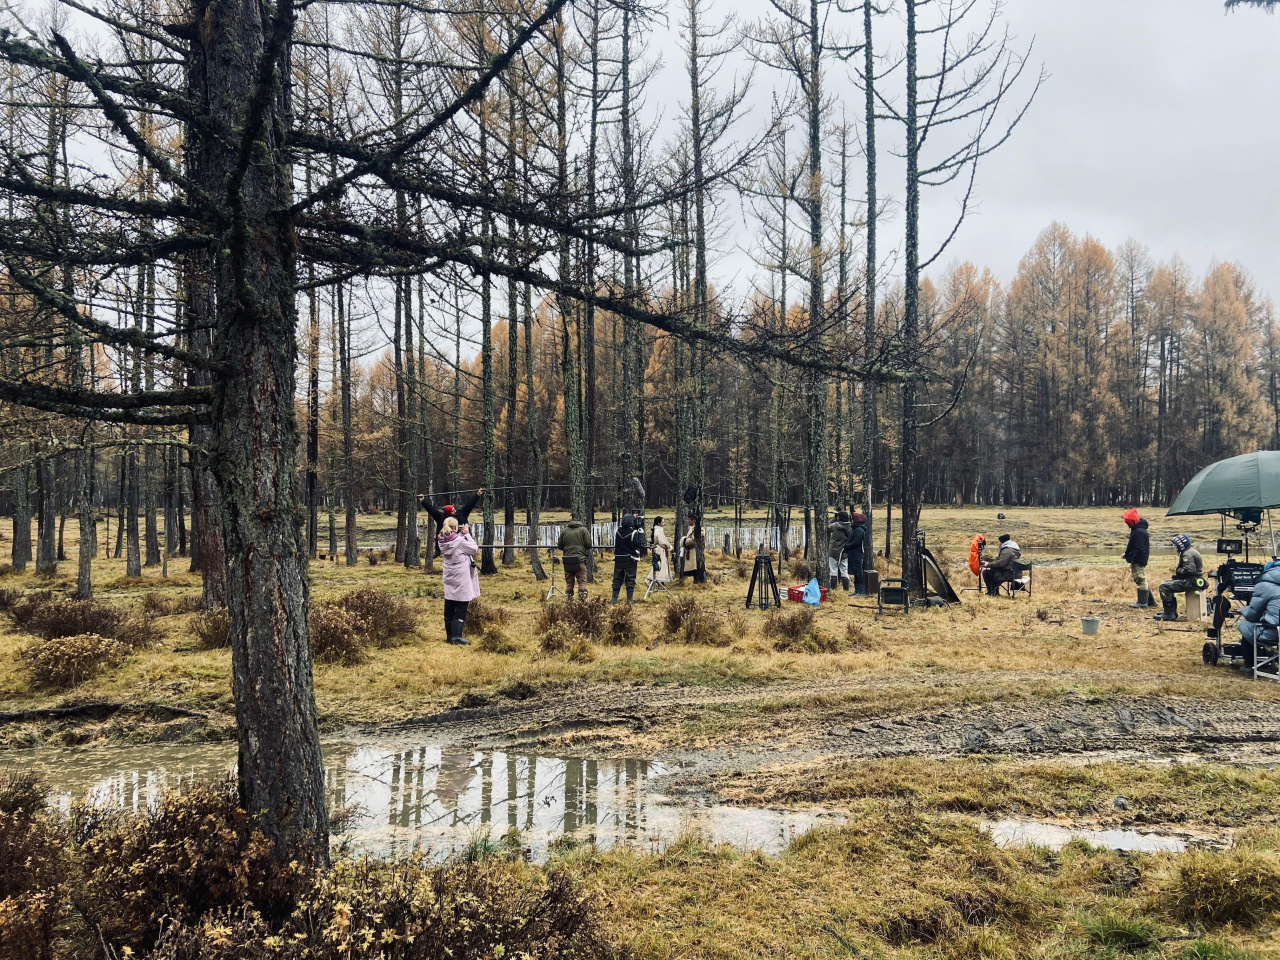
x: 1273, y: 534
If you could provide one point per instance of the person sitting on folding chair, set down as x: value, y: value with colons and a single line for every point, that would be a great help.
x: 1187, y: 576
x: 1001, y: 569
x: 1260, y: 619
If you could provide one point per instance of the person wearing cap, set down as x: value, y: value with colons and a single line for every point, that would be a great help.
x: 438, y: 514
x: 1000, y: 570
x: 1136, y: 554
x: 1187, y: 576
x: 1260, y: 620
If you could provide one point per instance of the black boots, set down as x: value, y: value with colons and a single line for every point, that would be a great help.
x: 844, y: 584
x: 1144, y: 600
x: 1170, y: 612
x: 831, y: 584
x: 455, y: 634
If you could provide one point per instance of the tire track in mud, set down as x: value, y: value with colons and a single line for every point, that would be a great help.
x: 1019, y: 719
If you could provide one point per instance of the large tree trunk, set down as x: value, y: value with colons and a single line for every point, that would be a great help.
x: 256, y: 434
x: 46, y: 531
x: 21, y: 555
x: 869, y: 391
x: 909, y: 468
x: 208, y: 554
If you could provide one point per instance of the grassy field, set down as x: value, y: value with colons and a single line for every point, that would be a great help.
x: 911, y: 875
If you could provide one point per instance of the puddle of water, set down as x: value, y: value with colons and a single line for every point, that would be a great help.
x: 420, y: 798
x: 1023, y: 833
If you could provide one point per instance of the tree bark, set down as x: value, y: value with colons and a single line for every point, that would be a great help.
x: 255, y: 440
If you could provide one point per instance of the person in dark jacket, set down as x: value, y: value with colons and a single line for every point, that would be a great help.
x: 575, y: 554
x: 839, y: 532
x: 1136, y: 554
x: 438, y: 514
x: 855, y: 552
x: 1187, y: 576
x: 628, y: 548
x: 1000, y: 570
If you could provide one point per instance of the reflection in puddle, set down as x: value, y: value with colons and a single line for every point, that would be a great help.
x: 1022, y: 833
x: 437, y: 801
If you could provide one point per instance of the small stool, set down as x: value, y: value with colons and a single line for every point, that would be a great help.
x: 1195, y: 606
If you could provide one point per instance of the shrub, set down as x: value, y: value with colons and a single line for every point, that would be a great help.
x: 493, y: 639
x: 795, y: 630
x: 9, y: 598
x: 800, y: 570
x: 337, y: 635
x: 24, y: 608
x: 690, y: 623
x: 487, y: 908
x: 1239, y: 886
x: 586, y: 618
x: 156, y: 604
x: 621, y: 629
x: 517, y: 690
x: 171, y: 863
x: 64, y: 662
x: 32, y: 865
x: 386, y: 618
x: 739, y: 623
x: 482, y: 615
x: 559, y: 638
x: 212, y: 630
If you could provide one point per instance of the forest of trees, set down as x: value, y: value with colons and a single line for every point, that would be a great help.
x: 264, y: 266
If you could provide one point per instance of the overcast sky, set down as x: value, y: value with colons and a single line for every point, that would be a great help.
x: 1159, y: 121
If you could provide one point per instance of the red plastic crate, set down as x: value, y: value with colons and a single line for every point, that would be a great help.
x: 796, y: 594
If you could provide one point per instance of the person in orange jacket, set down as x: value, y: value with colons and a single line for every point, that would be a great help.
x: 975, y: 555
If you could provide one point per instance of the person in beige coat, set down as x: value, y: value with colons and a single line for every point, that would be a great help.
x: 661, y: 553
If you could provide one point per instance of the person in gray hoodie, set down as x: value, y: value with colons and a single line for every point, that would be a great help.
x: 1261, y: 618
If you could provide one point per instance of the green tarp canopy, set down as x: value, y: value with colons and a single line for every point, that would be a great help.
x: 1247, y: 482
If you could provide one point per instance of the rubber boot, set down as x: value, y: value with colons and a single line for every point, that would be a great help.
x: 844, y: 584
x: 1170, y: 612
x: 831, y: 584
x: 1151, y: 598
x: 458, y: 638
x: 1144, y: 600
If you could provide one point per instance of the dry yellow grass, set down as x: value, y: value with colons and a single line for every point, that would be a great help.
x: 997, y: 643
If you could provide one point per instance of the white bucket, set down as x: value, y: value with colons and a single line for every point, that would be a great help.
x: 1090, y: 625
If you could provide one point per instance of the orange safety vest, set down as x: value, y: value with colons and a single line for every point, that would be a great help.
x: 975, y: 554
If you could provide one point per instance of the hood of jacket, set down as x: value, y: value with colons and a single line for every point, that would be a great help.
x: 628, y: 522
x: 1141, y: 525
x: 450, y: 537
x: 574, y: 525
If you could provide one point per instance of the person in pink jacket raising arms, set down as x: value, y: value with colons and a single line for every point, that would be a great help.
x: 461, y: 578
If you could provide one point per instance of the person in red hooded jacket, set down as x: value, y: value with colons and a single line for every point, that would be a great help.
x: 1136, y: 555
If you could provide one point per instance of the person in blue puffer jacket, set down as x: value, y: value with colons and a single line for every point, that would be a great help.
x: 1259, y: 620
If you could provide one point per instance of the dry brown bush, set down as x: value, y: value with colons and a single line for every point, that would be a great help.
x: 32, y: 869
x: 156, y: 604
x: 493, y: 639
x: 688, y: 622
x: 337, y: 635
x: 621, y: 627
x: 795, y: 630
x: 172, y: 863
x: 408, y: 911
x: 64, y: 662
x: 482, y: 615
x: 212, y: 630
x: 386, y: 618
x: 586, y: 618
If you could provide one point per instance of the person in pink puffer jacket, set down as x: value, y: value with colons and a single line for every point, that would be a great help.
x: 461, y: 579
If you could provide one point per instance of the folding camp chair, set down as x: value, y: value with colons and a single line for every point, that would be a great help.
x: 1025, y: 574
